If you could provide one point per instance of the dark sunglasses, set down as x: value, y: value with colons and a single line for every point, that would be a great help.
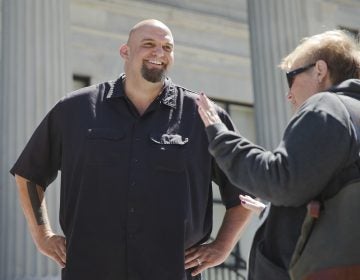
x: 291, y: 75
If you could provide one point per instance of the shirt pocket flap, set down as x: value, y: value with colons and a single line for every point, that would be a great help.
x: 169, y: 139
x: 105, y: 133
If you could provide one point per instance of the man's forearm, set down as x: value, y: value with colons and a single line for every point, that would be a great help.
x: 33, y: 203
x: 234, y: 223
x: 32, y: 200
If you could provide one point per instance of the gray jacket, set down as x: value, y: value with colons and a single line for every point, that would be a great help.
x: 318, y: 151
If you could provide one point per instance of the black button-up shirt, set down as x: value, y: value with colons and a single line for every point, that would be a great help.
x: 135, y: 190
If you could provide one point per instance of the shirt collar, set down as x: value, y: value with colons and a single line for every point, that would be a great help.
x: 167, y: 97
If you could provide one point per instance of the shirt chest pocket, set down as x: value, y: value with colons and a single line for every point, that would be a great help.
x: 168, y: 151
x: 104, y: 146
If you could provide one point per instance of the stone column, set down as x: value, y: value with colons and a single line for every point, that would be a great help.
x: 34, y: 75
x: 276, y: 26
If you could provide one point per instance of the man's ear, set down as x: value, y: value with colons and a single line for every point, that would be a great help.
x: 124, y: 51
x: 322, y: 70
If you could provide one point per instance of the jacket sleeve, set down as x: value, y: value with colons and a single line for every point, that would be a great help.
x: 229, y: 192
x: 314, y: 147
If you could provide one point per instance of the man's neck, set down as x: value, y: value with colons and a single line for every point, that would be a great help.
x: 142, y: 93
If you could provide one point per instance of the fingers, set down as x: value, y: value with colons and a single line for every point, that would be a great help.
x: 198, y: 269
x: 58, y: 260
x: 204, y: 102
x: 207, y: 110
x: 197, y: 264
x: 252, y: 204
x: 61, y: 250
x: 245, y: 199
x: 55, y: 248
x: 194, y: 258
x: 190, y: 251
x: 58, y: 248
x: 203, y: 257
x: 202, y: 108
x: 203, y: 116
x: 190, y: 258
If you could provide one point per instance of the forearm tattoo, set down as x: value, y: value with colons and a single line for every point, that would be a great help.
x: 35, y: 203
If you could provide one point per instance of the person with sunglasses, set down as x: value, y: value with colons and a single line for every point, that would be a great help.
x: 318, y: 151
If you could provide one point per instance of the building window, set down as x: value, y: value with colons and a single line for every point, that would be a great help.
x: 80, y: 81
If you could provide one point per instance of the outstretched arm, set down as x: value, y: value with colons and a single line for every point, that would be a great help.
x: 216, y: 252
x: 284, y: 176
x: 33, y: 203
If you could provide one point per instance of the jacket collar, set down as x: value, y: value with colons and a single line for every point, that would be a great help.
x: 351, y: 85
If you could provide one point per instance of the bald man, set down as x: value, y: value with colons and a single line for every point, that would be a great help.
x: 136, y: 199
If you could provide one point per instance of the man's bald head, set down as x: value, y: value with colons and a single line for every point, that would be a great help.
x: 147, y: 24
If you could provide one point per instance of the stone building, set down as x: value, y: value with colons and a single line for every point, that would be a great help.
x: 228, y: 49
